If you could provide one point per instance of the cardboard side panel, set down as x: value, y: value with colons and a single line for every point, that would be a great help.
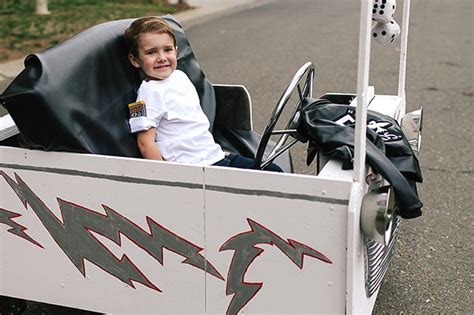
x: 121, y: 235
x: 280, y: 238
x: 104, y: 234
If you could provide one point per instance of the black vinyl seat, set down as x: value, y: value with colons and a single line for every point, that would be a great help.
x: 73, y: 97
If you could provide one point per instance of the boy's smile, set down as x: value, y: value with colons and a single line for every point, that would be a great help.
x: 157, y: 55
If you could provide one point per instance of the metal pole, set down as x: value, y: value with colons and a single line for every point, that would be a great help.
x: 403, y: 49
x: 353, y: 216
x: 357, y: 191
x: 362, y: 90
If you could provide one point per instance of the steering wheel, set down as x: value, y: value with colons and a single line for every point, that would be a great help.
x: 304, y: 75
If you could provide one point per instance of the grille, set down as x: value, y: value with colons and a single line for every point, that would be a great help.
x: 378, y: 258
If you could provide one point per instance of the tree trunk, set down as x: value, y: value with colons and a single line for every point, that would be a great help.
x: 177, y: 2
x: 42, y: 7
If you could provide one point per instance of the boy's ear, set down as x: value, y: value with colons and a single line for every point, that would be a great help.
x: 133, y: 60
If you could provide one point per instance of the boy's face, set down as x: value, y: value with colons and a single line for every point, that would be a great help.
x: 156, y: 55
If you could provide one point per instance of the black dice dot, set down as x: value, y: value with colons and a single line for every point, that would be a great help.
x: 375, y: 6
x: 381, y: 12
x: 393, y: 36
x: 382, y: 6
x: 375, y: 34
x: 384, y: 33
x: 374, y: 11
x: 384, y: 1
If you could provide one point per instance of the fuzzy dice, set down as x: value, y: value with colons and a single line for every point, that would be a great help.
x: 383, y: 10
x: 385, y: 33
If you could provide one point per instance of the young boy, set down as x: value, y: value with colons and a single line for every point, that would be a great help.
x: 167, y: 117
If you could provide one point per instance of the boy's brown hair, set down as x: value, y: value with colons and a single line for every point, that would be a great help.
x: 149, y: 24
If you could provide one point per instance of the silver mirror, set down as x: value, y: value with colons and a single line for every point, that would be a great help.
x: 412, y: 125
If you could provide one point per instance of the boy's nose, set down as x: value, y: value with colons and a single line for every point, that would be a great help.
x: 161, y: 56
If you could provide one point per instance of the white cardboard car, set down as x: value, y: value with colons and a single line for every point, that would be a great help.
x: 119, y: 234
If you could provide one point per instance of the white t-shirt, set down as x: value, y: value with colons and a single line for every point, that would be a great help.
x: 182, y: 129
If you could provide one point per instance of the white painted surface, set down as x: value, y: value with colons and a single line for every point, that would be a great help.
x: 205, y: 206
x: 403, y: 50
x: 7, y: 127
x: 390, y: 105
x: 318, y: 286
x: 362, y: 90
x: 51, y: 275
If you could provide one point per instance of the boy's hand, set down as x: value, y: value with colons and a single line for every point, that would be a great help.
x: 147, y: 145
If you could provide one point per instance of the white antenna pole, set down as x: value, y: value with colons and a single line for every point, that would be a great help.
x: 353, y: 215
x: 403, y: 50
x: 362, y: 90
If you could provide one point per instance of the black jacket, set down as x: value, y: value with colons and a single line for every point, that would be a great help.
x: 330, y: 128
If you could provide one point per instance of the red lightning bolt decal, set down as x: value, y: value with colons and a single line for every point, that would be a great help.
x: 245, y: 252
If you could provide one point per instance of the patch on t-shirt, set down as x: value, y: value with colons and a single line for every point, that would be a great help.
x: 137, y: 109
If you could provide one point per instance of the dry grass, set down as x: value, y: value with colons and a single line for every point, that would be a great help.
x: 23, y: 32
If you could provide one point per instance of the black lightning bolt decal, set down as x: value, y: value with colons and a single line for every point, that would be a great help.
x: 245, y: 252
x: 74, y: 238
x: 6, y: 217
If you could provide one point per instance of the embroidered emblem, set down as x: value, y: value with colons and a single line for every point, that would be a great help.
x: 137, y: 109
x: 385, y: 130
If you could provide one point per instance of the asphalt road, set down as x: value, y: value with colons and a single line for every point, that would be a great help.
x: 262, y: 48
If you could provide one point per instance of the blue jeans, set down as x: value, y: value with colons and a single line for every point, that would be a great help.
x: 239, y: 161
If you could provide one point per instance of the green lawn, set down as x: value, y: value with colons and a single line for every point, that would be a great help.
x: 22, y: 32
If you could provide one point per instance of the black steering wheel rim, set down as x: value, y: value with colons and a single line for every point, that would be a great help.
x: 307, y: 71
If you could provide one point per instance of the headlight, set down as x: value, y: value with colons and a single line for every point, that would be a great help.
x: 376, y: 214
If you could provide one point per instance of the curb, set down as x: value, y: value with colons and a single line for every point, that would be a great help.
x: 204, y: 10
x: 8, y: 71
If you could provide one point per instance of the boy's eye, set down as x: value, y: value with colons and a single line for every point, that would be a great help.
x: 169, y: 49
x: 150, y: 52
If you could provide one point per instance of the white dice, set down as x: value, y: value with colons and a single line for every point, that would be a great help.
x: 385, y: 33
x: 383, y: 10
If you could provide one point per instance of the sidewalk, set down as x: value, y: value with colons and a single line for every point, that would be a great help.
x: 203, y: 10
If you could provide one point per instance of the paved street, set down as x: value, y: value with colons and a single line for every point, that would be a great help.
x: 261, y: 46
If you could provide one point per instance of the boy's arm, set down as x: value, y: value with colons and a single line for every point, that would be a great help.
x: 147, y: 145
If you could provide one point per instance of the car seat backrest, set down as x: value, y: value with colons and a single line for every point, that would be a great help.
x: 73, y: 97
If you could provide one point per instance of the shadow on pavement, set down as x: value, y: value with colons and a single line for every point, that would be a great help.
x: 13, y: 306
